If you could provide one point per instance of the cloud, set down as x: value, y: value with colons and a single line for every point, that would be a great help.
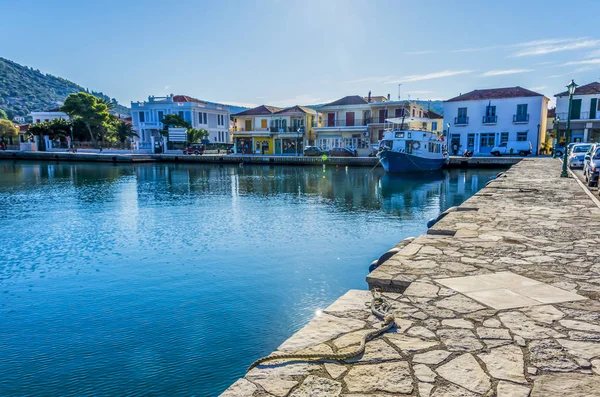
x: 167, y: 87
x: 541, y: 87
x: 505, y: 72
x: 595, y: 61
x: 429, y: 76
x: 542, y: 48
x: 416, y: 92
x: 555, y: 76
x: 583, y: 69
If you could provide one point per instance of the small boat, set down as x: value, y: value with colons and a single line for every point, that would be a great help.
x: 406, y: 150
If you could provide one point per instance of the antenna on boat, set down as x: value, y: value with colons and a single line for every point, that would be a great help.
x: 399, y: 91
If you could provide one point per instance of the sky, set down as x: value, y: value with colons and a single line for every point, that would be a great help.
x: 287, y: 52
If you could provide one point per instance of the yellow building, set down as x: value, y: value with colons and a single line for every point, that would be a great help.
x: 273, y: 130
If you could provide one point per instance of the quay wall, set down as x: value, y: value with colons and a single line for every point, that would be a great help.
x: 455, y: 162
x: 499, y: 298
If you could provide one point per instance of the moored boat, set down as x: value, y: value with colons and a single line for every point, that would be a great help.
x: 405, y: 150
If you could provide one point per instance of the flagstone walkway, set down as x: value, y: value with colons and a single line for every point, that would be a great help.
x: 500, y: 298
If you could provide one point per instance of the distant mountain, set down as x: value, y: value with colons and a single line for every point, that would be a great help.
x: 24, y: 90
x: 436, y: 106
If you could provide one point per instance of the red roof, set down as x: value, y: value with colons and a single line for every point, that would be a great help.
x: 23, y: 127
x: 348, y: 100
x: 588, y: 89
x: 495, y: 93
x: 185, y: 98
x: 261, y: 110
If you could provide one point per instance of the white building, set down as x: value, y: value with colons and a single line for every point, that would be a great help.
x: 49, y: 115
x: 585, y: 113
x: 147, y: 117
x: 482, y: 119
x: 19, y: 119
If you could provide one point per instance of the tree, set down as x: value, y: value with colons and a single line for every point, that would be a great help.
x: 195, y: 136
x: 92, y: 111
x: 124, y: 131
x: 8, y: 129
x: 52, y: 128
x: 3, y: 115
x: 174, y: 120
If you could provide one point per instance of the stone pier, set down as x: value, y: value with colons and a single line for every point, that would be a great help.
x: 499, y: 298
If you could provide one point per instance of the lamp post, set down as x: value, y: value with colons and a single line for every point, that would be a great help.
x: 556, y: 124
x: 571, y: 87
x: 448, y: 138
x: 298, y: 131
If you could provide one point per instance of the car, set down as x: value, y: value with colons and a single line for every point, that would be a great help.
x: 342, y: 152
x: 560, y: 150
x: 577, y: 155
x: 522, y: 148
x: 588, y: 155
x: 195, y: 149
x: 314, y: 151
x: 591, y: 168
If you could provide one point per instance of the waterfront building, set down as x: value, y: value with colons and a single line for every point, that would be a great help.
x: 19, y: 119
x: 585, y: 113
x: 344, y: 122
x: 147, y: 118
x: 360, y: 121
x: 272, y: 130
x: 482, y: 119
x: 48, y: 115
x: 435, y: 122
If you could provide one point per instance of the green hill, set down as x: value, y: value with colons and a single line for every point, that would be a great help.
x: 24, y: 90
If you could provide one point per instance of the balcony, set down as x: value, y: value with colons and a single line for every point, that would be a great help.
x: 345, y: 123
x: 292, y: 129
x: 461, y: 120
x: 521, y: 118
x: 490, y: 119
x: 580, y: 116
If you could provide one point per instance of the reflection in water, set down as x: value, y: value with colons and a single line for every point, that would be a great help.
x: 170, y: 279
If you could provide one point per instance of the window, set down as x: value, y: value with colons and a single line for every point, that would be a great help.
x: 161, y: 115
x: 399, y: 112
x: 522, y: 109
x: 400, y: 134
x: 420, y: 113
x: 490, y: 110
x: 413, y: 112
x: 521, y: 136
x: 504, y: 137
x: 462, y: 113
x: 204, y: 115
x: 521, y: 115
x: 142, y: 117
x: 181, y: 113
x: 263, y: 123
x: 434, y: 126
x: 220, y: 119
x: 409, y: 135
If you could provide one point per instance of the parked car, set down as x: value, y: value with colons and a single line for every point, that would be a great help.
x: 522, y: 148
x: 577, y: 155
x: 560, y: 150
x: 195, y: 149
x: 342, y: 152
x: 314, y: 151
x: 591, y: 167
x: 588, y: 155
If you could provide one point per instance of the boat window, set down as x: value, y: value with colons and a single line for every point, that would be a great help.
x: 400, y: 134
x: 409, y: 135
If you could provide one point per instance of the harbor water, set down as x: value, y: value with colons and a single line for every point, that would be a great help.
x: 170, y: 279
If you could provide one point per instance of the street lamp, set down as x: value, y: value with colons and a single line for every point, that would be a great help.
x: 299, y: 130
x: 571, y: 87
x: 556, y: 125
x: 448, y: 139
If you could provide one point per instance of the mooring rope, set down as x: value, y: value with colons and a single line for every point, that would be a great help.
x: 379, y: 307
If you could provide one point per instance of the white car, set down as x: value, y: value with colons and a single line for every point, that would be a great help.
x: 577, y: 154
x: 512, y: 148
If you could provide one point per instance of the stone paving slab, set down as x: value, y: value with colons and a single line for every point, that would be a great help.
x: 530, y: 230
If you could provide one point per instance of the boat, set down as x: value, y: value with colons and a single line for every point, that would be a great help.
x: 407, y: 150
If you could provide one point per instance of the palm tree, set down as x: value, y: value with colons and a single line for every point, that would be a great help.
x: 125, y: 131
x: 195, y: 136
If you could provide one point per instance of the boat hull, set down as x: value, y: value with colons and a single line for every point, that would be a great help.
x: 395, y: 162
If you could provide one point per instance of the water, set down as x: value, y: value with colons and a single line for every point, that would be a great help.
x: 171, y: 279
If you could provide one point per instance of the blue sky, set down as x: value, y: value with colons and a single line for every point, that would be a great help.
x: 304, y: 52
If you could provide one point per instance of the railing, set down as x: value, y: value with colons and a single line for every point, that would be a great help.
x: 293, y: 129
x: 144, y: 145
x: 490, y: 119
x: 345, y: 123
x: 581, y: 116
x: 461, y: 120
x: 521, y: 118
